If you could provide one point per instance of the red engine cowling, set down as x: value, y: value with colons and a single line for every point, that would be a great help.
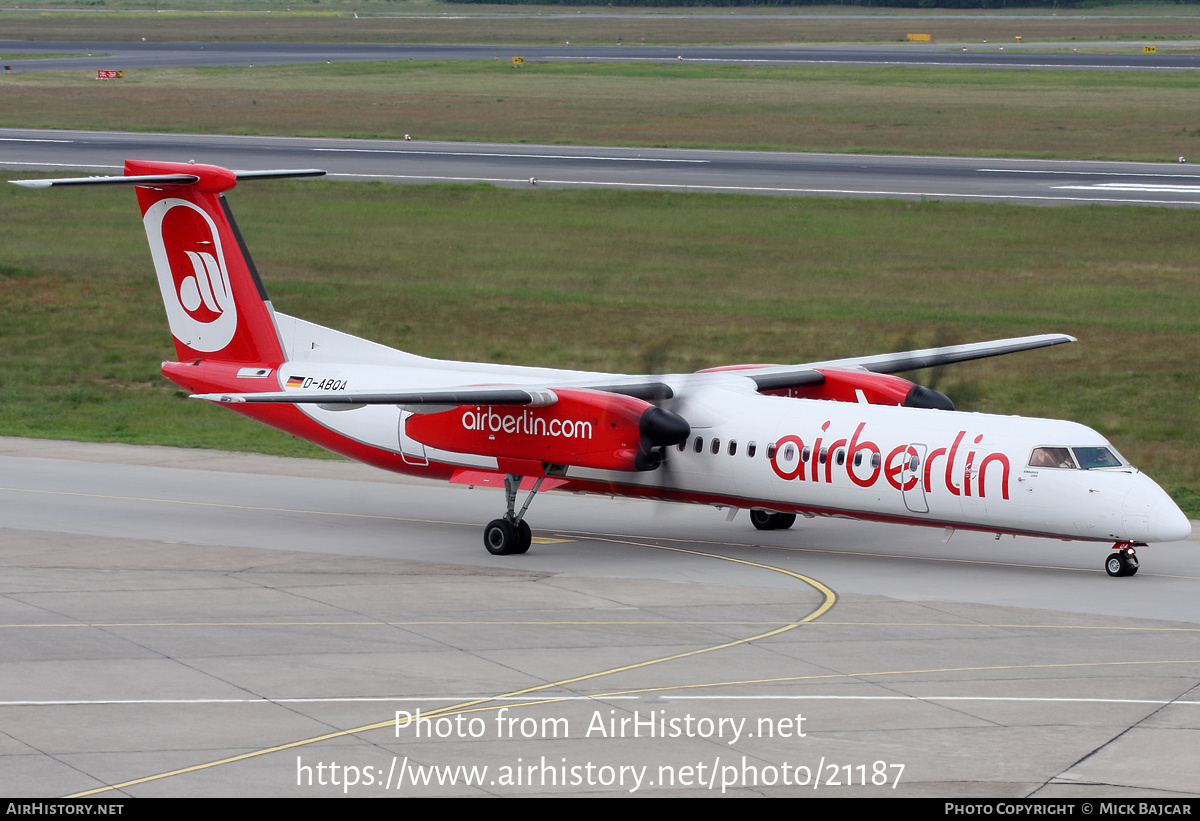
x: 876, y: 388
x: 584, y: 428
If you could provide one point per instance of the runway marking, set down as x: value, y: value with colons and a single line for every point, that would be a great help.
x: 474, y: 704
x: 602, y: 697
x: 879, y: 673
x: 328, y: 700
x: 605, y: 623
x: 31, y: 140
x: 518, y: 156
x: 6, y: 163
x: 1148, y: 188
x: 830, y: 596
x: 1084, y: 173
x: 1017, y: 699
x: 848, y: 192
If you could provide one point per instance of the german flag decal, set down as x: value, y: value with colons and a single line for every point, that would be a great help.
x: 295, y: 382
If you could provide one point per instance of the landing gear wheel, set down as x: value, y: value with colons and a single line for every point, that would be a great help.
x: 762, y: 520
x: 524, y: 538
x: 501, y: 538
x: 1121, y: 563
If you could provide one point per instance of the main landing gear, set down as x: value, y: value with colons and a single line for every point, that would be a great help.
x: 511, y: 534
x: 764, y: 520
x: 1122, y: 561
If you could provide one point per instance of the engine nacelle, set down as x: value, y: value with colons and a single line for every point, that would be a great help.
x: 583, y: 428
x: 876, y: 389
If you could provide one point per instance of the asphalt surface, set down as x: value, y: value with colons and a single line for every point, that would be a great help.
x: 193, y: 623
x: 1046, y: 182
x: 135, y: 55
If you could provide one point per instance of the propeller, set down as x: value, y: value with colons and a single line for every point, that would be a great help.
x: 659, y: 429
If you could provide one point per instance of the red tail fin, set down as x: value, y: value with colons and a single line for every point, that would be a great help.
x: 216, y: 305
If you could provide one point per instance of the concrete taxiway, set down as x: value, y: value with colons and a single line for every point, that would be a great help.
x: 200, y: 623
x: 772, y: 173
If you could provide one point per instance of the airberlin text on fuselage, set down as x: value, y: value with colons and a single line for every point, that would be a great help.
x: 525, y: 422
x: 963, y: 469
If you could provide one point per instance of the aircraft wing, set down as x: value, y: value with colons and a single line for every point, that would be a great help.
x: 500, y: 395
x: 538, y: 397
x: 766, y: 377
x: 776, y: 377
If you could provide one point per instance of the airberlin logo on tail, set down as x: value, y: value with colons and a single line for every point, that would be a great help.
x: 192, y: 274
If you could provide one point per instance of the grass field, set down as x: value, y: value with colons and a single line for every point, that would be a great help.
x: 607, y: 280
x: 1113, y: 115
x: 428, y: 22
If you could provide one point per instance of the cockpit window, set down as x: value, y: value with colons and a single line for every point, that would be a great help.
x: 1091, y: 458
x: 1052, y: 458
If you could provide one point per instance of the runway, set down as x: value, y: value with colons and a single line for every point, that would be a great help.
x: 966, y: 179
x: 1061, y: 56
x: 200, y: 623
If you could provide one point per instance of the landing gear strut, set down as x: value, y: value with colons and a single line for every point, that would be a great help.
x: 762, y: 520
x: 1122, y: 561
x: 511, y: 534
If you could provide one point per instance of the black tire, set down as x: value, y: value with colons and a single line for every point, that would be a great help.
x: 784, y: 520
x: 524, y: 538
x: 500, y: 537
x: 1118, y: 564
x: 762, y: 520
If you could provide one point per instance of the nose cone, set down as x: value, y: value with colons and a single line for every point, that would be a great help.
x: 1150, y: 515
x: 1167, y: 523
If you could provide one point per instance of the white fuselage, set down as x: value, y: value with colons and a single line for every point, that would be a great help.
x: 891, y: 463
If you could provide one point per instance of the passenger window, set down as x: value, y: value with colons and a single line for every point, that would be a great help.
x: 716, y: 446
x: 789, y: 452
x: 683, y: 446
x: 823, y: 457
x: 751, y: 449
x: 841, y: 457
x: 858, y: 459
x: 699, y: 444
x: 771, y: 451
x: 805, y: 455
x: 876, y: 460
x: 1052, y: 458
x: 913, y: 464
x: 733, y: 447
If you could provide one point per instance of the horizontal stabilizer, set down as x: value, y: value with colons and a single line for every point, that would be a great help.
x: 164, y: 179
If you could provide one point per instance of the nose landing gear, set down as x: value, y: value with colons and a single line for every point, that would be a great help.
x: 1122, y: 561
